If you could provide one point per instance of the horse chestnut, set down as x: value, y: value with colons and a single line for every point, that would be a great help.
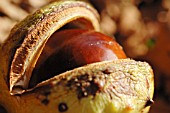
x: 68, y: 49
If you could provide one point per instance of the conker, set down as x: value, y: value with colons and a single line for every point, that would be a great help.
x: 68, y: 49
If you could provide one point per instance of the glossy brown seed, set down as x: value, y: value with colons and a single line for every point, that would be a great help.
x: 69, y: 49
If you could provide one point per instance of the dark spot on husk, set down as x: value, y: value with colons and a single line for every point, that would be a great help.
x: 149, y: 102
x: 62, y: 107
x: 86, y: 85
x: 107, y: 71
x: 43, y: 93
x: 45, y: 101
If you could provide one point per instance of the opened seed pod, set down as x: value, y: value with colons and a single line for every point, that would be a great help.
x: 107, y: 85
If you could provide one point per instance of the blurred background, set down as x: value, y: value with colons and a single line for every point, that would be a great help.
x: 142, y: 27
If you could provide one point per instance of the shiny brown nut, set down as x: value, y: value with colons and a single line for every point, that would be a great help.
x: 68, y: 49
